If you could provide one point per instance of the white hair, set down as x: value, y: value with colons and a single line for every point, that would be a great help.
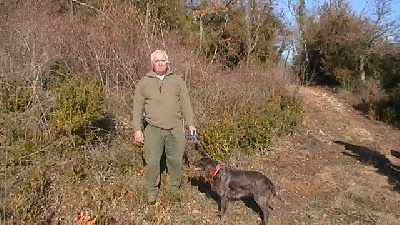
x: 159, y: 51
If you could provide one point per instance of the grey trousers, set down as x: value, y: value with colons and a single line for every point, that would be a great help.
x: 174, y: 143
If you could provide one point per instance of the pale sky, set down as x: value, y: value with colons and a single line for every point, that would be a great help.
x: 365, y: 6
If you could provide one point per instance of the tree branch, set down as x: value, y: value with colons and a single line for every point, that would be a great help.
x: 87, y: 5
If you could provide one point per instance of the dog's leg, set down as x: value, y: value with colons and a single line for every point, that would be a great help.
x: 224, y: 205
x: 262, y: 202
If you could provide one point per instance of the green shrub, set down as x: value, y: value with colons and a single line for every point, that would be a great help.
x: 219, y: 137
x: 389, y: 108
x: 254, y: 127
x: 79, y: 103
x: 261, y: 124
x: 348, y: 78
x: 15, y: 96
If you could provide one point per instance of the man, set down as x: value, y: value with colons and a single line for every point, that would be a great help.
x: 162, y: 98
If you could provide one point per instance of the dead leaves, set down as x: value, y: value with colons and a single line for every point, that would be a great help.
x: 84, y: 218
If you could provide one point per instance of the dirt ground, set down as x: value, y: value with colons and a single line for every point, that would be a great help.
x: 341, y: 169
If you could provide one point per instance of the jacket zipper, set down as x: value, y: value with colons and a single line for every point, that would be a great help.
x: 160, y: 83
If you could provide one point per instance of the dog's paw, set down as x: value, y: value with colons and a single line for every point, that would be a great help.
x: 220, y: 214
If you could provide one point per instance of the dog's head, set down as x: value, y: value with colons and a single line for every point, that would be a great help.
x: 206, y: 164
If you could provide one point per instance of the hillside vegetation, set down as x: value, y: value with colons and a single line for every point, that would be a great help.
x: 68, y: 70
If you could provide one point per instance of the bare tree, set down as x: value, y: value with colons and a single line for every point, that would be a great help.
x: 380, y: 30
x: 257, y: 14
x: 336, y: 39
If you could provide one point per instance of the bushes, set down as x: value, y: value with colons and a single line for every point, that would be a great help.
x: 57, y: 97
x: 388, y: 109
x: 44, y: 114
x: 79, y: 103
x: 377, y: 103
x: 15, y: 96
x: 253, y: 127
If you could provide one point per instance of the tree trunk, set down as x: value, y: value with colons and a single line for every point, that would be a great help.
x: 362, y: 68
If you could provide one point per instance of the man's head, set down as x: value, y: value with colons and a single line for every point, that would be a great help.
x: 159, y: 60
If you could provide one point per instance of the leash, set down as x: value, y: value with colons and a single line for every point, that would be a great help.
x: 197, y: 141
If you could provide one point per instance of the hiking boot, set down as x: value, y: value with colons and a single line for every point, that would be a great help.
x: 151, y: 200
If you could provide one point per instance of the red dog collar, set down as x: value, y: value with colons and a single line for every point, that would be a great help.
x: 215, y: 171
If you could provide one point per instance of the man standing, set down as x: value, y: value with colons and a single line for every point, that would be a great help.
x: 162, y: 99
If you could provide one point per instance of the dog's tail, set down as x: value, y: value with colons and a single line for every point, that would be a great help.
x: 278, y: 194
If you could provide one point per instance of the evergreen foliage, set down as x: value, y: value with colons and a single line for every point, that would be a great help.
x: 253, y: 128
x: 79, y: 103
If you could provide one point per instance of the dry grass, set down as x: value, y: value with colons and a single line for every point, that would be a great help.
x: 49, y: 180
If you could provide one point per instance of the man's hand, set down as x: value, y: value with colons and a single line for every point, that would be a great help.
x: 138, y: 135
x: 192, y: 130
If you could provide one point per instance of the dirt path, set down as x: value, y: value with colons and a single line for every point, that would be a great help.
x: 342, y: 170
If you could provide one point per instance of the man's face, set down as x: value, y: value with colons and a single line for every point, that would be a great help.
x: 159, y: 64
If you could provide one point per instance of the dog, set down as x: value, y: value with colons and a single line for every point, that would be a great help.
x: 230, y: 184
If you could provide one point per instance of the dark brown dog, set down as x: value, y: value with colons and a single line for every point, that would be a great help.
x: 232, y: 184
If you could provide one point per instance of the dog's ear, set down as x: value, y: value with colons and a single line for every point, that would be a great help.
x: 209, y: 161
x: 215, y: 162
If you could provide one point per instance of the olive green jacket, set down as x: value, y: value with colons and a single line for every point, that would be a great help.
x: 164, y: 104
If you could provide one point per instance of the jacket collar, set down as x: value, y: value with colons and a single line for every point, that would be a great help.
x: 152, y: 74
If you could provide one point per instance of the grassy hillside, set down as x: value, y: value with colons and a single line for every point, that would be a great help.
x: 68, y: 73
